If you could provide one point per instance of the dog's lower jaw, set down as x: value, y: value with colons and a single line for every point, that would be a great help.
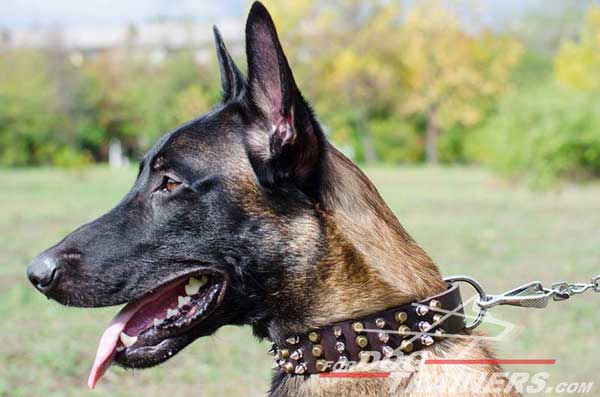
x: 428, y: 381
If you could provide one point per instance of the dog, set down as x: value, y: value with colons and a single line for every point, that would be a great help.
x: 247, y: 215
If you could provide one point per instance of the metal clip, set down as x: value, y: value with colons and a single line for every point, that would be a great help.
x: 528, y: 295
x: 596, y: 283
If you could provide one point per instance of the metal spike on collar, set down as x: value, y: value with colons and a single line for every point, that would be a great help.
x: 293, y: 340
x: 314, y: 337
x: 380, y: 322
x: 276, y: 364
x: 342, y: 362
x: 422, y: 310
x: 296, y: 354
x: 337, y: 331
x: 300, y: 369
x: 340, y: 346
x: 387, y: 351
x: 383, y: 337
x: 427, y: 340
x: 424, y: 326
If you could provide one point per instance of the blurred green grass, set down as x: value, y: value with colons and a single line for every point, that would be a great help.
x: 469, y: 221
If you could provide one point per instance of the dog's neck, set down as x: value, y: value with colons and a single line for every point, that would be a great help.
x: 368, y: 263
x: 372, y: 262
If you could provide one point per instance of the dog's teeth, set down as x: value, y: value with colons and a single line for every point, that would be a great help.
x: 194, y: 284
x: 172, y: 312
x: 158, y: 322
x: 182, y: 301
x: 127, y: 340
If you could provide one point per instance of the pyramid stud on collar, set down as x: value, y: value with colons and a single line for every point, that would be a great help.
x: 380, y: 322
x: 283, y: 354
x: 321, y: 365
x: 364, y: 356
x: 300, y: 369
x: 362, y: 341
x: 435, y: 304
x: 337, y: 331
x: 317, y: 350
x: 358, y: 327
x: 437, y: 318
x: 439, y: 332
x: 340, y: 347
x: 288, y: 367
x: 422, y: 310
x: 404, y: 330
x: 401, y: 317
x: 406, y: 346
x: 293, y: 340
x: 296, y: 355
x: 383, y: 337
x: 314, y: 337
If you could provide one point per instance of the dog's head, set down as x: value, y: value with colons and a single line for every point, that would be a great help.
x: 220, y: 212
x: 227, y: 223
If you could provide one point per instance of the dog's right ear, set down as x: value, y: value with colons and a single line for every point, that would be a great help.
x: 232, y: 80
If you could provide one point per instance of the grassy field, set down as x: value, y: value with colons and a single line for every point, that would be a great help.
x: 469, y: 221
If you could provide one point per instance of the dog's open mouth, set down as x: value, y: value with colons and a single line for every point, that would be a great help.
x: 151, y: 329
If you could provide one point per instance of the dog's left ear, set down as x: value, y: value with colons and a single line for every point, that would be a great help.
x: 288, y: 147
x: 232, y: 80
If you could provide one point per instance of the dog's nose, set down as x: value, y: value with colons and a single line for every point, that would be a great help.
x: 43, y: 272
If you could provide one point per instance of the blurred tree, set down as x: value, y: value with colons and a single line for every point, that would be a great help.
x: 577, y: 64
x: 452, y: 75
x: 345, y: 46
x: 543, y: 133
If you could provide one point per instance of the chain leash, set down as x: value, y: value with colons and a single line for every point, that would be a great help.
x: 530, y: 295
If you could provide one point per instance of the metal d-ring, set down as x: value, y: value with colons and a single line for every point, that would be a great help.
x: 482, y: 297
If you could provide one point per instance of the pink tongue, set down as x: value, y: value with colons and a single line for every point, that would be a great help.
x: 109, y: 340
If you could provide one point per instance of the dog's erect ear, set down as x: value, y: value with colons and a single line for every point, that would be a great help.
x: 289, y: 149
x: 232, y: 80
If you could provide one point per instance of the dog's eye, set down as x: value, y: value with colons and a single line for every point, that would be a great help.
x: 169, y: 184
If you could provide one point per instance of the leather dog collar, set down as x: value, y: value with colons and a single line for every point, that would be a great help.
x: 405, y: 328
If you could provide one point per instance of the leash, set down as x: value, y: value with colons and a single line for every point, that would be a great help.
x: 530, y: 295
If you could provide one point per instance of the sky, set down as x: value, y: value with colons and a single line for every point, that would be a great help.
x: 17, y: 14
x: 28, y: 13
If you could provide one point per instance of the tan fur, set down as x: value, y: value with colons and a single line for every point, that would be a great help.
x: 373, y: 264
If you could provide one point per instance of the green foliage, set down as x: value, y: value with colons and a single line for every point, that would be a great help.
x: 577, y: 64
x: 411, y: 78
x: 396, y: 141
x: 55, y: 113
x: 542, y: 134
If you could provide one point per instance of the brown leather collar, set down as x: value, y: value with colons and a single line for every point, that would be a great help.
x: 408, y: 328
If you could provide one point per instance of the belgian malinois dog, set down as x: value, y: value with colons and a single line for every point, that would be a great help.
x: 247, y: 215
